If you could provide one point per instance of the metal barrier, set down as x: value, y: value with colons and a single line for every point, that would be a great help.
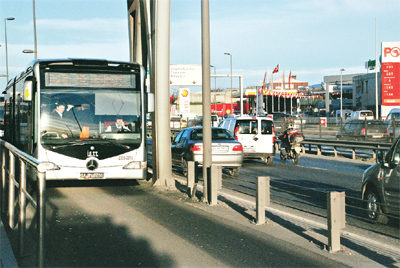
x: 11, y: 179
x: 374, y: 146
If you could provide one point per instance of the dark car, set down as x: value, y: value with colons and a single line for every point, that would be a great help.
x: 226, y: 150
x: 381, y: 185
x: 364, y: 130
x: 281, y: 120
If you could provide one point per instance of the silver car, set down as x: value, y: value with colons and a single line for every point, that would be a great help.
x: 226, y: 150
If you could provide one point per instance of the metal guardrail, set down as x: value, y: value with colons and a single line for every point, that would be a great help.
x: 12, y: 178
x: 353, y: 145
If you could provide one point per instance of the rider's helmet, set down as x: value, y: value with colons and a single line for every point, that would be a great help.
x: 289, y: 126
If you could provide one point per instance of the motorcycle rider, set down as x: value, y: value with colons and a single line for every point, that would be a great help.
x: 285, y: 138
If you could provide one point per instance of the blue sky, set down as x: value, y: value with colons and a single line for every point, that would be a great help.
x: 312, y: 38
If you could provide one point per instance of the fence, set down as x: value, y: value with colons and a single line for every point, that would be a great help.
x: 14, y: 176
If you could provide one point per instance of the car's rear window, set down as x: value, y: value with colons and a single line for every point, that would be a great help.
x: 366, y: 114
x: 247, y: 126
x: 376, y: 124
x: 216, y: 134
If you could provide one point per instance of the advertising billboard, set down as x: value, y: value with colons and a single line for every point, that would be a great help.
x: 390, y: 74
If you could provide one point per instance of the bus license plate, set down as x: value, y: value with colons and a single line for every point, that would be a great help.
x: 91, y: 176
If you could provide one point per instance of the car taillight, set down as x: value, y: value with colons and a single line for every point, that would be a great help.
x: 362, y: 131
x: 273, y: 139
x: 238, y: 148
x: 196, y: 148
x: 236, y: 133
x: 387, y: 131
x: 273, y: 130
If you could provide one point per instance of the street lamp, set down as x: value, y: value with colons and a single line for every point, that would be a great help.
x: 34, y: 34
x: 5, y: 31
x: 341, y: 93
x: 231, y: 79
x: 34, y: 29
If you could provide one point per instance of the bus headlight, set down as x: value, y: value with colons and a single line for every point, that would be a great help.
x: 50, y: 166
x: 136, y: 165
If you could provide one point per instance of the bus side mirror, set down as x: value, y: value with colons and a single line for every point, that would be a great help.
x: 150, y: 103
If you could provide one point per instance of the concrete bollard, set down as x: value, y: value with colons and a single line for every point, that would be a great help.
x: 192, y: 178
x: 216, y: 174
x: 262, y: 199
x: 336, y: 219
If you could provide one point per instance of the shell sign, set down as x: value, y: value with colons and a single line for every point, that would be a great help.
x: 185, y: 93
x: 184, y: 100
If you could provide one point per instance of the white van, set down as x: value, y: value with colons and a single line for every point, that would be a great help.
x: 256, y: 134
x: 362, y: 115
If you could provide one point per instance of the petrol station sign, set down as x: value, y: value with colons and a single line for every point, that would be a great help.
x: 390, y: 74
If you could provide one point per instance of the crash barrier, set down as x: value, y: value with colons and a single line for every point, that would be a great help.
x: 214, y: 181
x: 353, y: 145
x: 15, y: 165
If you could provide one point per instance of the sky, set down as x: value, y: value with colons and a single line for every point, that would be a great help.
x: 310, y: 38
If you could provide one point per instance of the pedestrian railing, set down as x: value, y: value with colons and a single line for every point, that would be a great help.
x: 19, y: 169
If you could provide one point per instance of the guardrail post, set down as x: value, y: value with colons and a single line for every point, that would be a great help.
x: 192, y: 178
x: 41, y: 210
x: 320, y: 130
x: 22, y: 209
x: 262, y: 198
x: 336, y: 219
x: 11, y: 190
x: 394, y: 129
x: 301, y: 124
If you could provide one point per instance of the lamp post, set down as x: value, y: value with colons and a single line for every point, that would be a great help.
x: 231, y: 80
x: 5, y: 31
x: 215, y: 84
x: 341, y: 93
x: 34, y: 29
x: 34, y: 34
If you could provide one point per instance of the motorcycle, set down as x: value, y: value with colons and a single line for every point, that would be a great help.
x: 295, y: 150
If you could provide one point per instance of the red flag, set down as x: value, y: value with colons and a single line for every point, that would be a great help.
x: 276, y: 69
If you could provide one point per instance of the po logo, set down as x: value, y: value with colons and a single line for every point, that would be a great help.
x: 393, y: 51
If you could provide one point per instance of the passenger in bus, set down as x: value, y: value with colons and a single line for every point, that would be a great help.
x: 118, y: 126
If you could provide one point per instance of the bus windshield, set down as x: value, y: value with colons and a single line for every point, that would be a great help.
x: 77, y: 115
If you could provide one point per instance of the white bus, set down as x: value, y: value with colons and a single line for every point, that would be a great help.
x: 82, y: 141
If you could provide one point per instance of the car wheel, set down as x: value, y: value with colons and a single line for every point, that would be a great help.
x: 269, y: 161
x: 234, y: 172
x: 184, y: 167
x: 373, y: 207
x: 296, y: 159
